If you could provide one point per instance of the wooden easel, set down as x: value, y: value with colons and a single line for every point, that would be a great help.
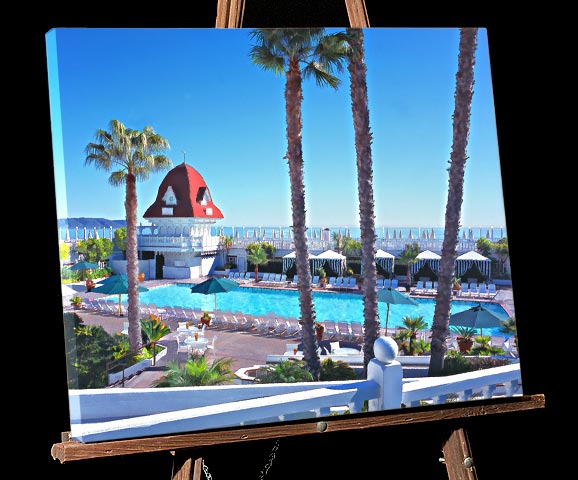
x: 457, y: 453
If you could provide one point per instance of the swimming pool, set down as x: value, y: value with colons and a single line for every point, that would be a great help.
x: 328, y: 306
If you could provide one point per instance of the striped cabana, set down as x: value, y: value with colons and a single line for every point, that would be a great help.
x: 464, y: 263
x: 336, y: 261
x: 289, y: 261
x: 385, y: 260
x: 426, y: 256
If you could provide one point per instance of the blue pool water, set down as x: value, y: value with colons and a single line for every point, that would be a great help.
x: 328, y: 306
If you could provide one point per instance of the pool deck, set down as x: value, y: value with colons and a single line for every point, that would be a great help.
x: 246, y: 348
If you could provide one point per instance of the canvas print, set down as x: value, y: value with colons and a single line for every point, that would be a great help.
x: 262, y: 225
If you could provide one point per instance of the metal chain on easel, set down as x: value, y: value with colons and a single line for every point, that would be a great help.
x: 263, y: 472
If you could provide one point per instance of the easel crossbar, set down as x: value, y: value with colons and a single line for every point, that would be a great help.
x: 68, y: 451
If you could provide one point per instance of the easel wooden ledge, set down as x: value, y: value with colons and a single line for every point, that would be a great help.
x: 455, y: 449
x: 457, y: 454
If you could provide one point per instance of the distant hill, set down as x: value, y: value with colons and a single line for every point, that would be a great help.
x: 90, y: 222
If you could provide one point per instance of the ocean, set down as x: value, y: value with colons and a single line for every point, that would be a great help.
x: 493, y: 233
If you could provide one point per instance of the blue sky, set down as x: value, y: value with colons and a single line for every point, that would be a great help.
x: 199, y: 89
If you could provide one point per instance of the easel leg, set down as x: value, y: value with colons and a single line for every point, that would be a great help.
x: 458, y: 457
x: 188, y: 472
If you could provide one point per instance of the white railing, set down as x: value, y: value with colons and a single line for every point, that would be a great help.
x: 110, y: 414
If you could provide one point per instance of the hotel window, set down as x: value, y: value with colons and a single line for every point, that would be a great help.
x: 203, y: 196
x: 169, y: 197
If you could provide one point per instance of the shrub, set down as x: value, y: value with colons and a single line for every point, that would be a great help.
x: 288, y: 371
x: 336, y: 370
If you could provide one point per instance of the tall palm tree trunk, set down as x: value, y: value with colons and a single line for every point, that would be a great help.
x: 461, y: 130
x: 293, y: 99
x: 363, y: 137
x: 134, y: 330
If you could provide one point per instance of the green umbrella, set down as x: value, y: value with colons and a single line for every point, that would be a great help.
x: 82, y: 266
x: 214, y: 286
x: 116, y: 284
x: 476, y: 317
x: 392, y: 296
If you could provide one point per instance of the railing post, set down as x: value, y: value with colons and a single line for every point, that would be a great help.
x: 387, y: 373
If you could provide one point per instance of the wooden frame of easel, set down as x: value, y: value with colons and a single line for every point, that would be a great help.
x: 456, y: 450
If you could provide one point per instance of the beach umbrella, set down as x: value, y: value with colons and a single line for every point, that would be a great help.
x: 82, y: 266
x: 213, y: 286
x: 116, y: 284
x: 392, y: 296
x: 476, y: 317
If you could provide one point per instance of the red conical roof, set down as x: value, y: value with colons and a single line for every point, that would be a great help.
x: 183, y: 193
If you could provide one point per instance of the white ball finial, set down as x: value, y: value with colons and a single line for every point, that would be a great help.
x: 385, y: 349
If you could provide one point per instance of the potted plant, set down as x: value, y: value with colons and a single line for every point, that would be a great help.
x: 322, y: 277
x: 141, y: 277
x: 76, y: 301
x: 456, y: 285
x: 206, y: 319
x: 465, y: 338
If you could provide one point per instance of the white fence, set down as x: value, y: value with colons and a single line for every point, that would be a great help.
x: 111, y: 414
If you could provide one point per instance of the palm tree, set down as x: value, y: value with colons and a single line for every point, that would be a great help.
x: 363, y: 136
x: 154, y: 329
x: 299, y: 54
x: 509, y: 328
x: 196, y: 373
x: 257, y: 256
x: 408, y: 257
x: 412, y: 326
x: 129, y: 156
x: 227, y: 242
x: 461, y: 129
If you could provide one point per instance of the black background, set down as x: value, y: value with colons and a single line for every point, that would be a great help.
x: 505, y: 445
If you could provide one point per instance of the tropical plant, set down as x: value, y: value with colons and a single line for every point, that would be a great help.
x: 76, y: 301
x: 465, y: 334
x: 483, y: 347
x: 406, y: 337
x: 287, y: 371
x: 227, y: 244
x: 298, y: 54
x: 502, y: 251
x: 455, y: 363
x: 129, y: 156
x: 408, y: 257
x: 257, y: 256
x: 508, y: 327
x: 195, y: 372
x: 332, y: 370
x: 63, y: 252
x: 120, y: 240
x: 322, y: 275
x: 153, y: 328
x: 95, y: 249
x: 363, y: 137
x: 461, y: 128
x: 89, y: 348
x: 484, y: 246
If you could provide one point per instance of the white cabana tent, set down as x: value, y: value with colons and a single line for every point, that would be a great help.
x: 466, y: 260
x: 385, y: 260
x: 289, y: 261
x: 336, y: 261
x: 426, y: 256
